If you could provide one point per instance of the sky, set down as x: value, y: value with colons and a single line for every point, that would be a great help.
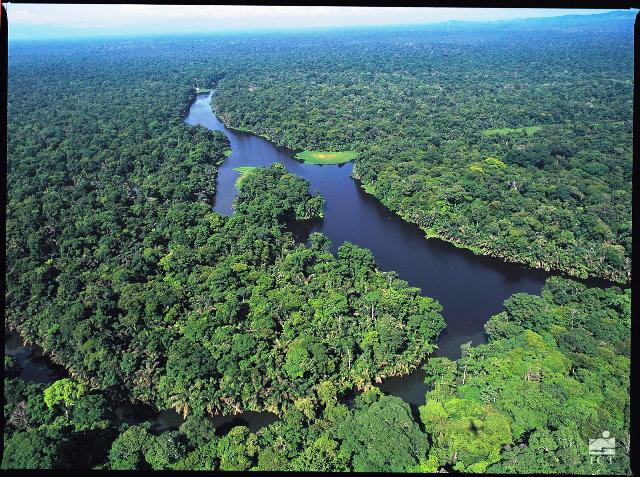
x: 33, y: 21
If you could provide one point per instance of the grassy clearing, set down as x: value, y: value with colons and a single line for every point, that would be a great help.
x: 320, y: 157
x: 244, y: 172
x: 529, y: 130
x: 227, y: 152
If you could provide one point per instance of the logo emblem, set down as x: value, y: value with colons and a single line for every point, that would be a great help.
x: 602, y: 446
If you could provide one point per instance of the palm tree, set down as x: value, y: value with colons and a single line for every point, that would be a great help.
x: 180, y: 402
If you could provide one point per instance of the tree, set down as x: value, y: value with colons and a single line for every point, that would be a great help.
x: 465, y: 434
x: 92, y: 412
x: 31, y: 450
x: 321, y: 456
x: 237, y: 450
x: 128, y: 450
x: 65, y: 392
x: 11, y: 367
x: 382, y: 437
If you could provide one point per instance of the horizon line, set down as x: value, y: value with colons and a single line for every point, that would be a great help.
x: 68, y: 35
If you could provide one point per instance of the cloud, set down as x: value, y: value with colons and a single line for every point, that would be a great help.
x: 99, y: 15
x: 36, y: 18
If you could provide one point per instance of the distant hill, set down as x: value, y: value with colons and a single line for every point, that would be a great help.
x: 609, y: 19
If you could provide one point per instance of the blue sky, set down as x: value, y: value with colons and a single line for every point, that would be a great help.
x: 33, y: 21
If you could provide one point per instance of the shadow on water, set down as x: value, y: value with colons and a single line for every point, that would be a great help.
x: 302, y: 229
x: 34, y: 365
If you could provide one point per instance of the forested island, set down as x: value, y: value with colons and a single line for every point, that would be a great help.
x: 120, y: 270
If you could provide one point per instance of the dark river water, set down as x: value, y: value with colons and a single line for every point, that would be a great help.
x: 34, y: 365
x: 470, y: 288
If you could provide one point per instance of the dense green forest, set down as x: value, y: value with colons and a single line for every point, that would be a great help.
x: 555, y: 371
x: 554, y: 374
x: 437, y: 117
x: 119, y: 268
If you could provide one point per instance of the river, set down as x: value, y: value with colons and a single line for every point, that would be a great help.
x: 471, y: 288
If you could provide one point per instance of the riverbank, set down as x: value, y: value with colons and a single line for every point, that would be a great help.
x: 244, y: 172
x: 431, y: 233
x: 580, y: 273
x: 38, y: 367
